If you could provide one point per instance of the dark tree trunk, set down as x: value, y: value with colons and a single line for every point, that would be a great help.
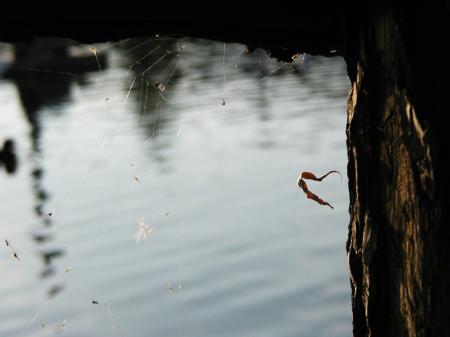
x: 399, y: 234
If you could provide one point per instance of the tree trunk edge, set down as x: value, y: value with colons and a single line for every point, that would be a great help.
x: 398, y: 229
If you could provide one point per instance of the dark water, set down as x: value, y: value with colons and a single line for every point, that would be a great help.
x: 210, y: 163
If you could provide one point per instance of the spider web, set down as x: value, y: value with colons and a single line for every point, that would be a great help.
x: 151, y: 66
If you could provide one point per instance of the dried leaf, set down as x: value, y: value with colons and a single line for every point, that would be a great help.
x: 309, y: 194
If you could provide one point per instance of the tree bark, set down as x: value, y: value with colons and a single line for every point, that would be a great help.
x: 399, y: 238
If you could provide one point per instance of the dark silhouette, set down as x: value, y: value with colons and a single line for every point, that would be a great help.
x: 8, y: 156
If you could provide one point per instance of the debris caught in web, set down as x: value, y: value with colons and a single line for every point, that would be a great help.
x: 171, y: 288
x: 143, y: 231
x: 62, y: 326
x: 95, y: 51
x: 8, y: 244
x: 161, y: 87
x: 298, y: 57
x: 311, y: 176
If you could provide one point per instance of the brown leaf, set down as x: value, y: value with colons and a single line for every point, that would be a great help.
x: 309, y: 194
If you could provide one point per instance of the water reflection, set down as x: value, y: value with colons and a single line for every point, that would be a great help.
x: 43, y: 71
x: 205, y: 141
x: 8, y: 156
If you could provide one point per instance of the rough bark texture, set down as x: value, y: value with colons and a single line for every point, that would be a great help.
x: 398, y: 245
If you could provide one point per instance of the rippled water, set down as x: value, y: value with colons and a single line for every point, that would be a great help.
x: 210, y: 163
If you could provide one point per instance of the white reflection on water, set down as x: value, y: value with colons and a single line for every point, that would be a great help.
x: 244, y: 249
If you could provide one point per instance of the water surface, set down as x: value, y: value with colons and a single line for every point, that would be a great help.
x: 209, y: 158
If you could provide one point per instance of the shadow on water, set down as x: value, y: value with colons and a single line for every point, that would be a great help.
x: 8, y: 157
x: 43, y: 72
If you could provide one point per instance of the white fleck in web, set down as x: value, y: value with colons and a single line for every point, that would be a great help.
x: 62, y: 326
x: 143, y: 231
x: 95, y: 51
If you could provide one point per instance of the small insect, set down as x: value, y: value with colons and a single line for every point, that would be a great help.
x: 223, y: 101
x: 43, y: 324
x: 15, y: 255
x: 167, y: 214
x: 137, y: 179
x: 50, y: 214
x: 94, y: 302
x: 7, y: 243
